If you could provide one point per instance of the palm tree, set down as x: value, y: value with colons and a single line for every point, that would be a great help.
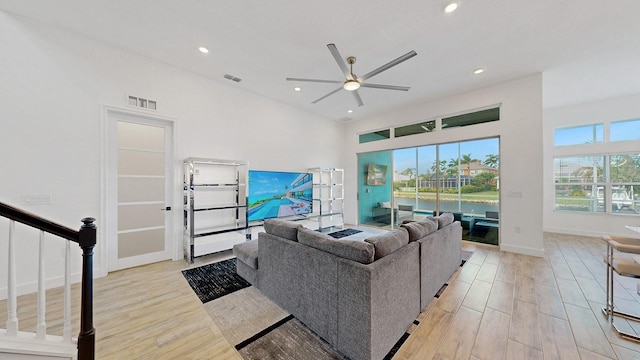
x: 492, y: 160
x: 410, y: 172
x: 439, y: 168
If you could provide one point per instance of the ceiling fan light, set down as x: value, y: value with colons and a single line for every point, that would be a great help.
x: 351, y: 85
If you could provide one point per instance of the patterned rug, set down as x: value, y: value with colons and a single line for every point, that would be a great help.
x: 257, y: 327
x: 343, y: 233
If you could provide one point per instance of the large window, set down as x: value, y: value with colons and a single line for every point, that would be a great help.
x: 600, y: 183
x: 374, y: 136
x: 419, y: 128
x: 580, y: 183
x: 625, y: 183
x: 625, y: 130
x: 588, y: 134
x: 473, y: 118
x: 461, y: 177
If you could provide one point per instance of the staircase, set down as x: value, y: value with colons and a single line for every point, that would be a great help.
x: 16, y: 344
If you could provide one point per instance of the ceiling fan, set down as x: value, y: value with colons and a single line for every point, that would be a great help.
x: 352, y: 83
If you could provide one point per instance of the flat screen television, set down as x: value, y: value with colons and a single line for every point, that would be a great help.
x: 274, y: 194
x: 376, y: 174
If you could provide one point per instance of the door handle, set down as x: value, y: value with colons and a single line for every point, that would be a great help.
x: 168, y: 208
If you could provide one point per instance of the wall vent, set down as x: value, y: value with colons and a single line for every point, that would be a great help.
x: 231, y: 77
x: 143, y: 103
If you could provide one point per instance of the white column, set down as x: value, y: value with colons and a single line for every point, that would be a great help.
x: 12, y: 313
x: 41, y: 329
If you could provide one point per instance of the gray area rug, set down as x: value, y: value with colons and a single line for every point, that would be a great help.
x: 260, y: 329
x: 215, y: 280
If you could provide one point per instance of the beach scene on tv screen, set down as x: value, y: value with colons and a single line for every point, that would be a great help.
x: 278, y: 194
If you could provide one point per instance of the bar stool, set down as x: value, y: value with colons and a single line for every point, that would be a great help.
x: 623, y: 265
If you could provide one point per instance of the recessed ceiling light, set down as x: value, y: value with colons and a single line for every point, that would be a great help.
x: 203, y: 50
x: 349, y: 111
x: 297, y: 89
x: 478, y: 71
x: 451, y: 7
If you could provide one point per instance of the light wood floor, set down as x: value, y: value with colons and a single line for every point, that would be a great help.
x: 498, y: 306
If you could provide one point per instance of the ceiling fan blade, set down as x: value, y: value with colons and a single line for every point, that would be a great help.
x: 316, y: 80
x: 339, y: 60
x: 388, y: 65
x: 386, y: 87
x: 326, y: 96
x: 357, y: 97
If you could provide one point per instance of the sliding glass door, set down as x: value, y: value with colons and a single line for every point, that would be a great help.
x: 374, y: 188
x: 461, y: 178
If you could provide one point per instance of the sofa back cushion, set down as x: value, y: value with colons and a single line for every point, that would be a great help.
x: 359, y: 251
x: 443, y: 220
x: 419, y: 229
x: 430, y: 225
x: 282, y: 228
x: 389, y: 242
x: 415, y: 230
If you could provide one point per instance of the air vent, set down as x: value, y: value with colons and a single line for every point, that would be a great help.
x: 143, y: 103
x: 231, y: 77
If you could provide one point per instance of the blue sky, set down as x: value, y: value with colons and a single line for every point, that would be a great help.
x: 479, y: 149
x: 618, y: 131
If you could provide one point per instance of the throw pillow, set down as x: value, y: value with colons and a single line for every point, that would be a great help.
x: 389, y: 242
x: 385, y: 204
x: 359, y: 251
x: 282, y: 228
x: 415, y: 229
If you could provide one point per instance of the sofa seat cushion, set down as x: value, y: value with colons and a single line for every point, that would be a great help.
x: 282, y: 228
x: 419, y: 229
x: 247, y: 252
x: 359, y: 251
x: 389, y: 242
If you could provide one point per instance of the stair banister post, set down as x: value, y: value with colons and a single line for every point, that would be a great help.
x: 86, y: 339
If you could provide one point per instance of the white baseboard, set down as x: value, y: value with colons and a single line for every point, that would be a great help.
x: 26, y: 346
x: 578, y: 232
x: 522, y: 250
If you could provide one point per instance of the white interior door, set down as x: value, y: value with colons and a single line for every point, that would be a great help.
x: 140, y: 179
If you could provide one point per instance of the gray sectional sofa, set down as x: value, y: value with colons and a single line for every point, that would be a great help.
x: 359, y: 296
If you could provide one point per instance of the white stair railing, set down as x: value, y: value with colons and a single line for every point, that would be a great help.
x: 14, y: 341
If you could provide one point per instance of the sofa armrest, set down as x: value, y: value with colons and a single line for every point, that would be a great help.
x: 301, y: 280
x: 440, y: 257
x: 377, y: 302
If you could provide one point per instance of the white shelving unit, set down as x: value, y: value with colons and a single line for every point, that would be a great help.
x: 328, y: 197
x: 215, y: 205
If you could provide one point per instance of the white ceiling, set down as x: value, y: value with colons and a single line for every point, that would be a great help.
x: 587, y: 49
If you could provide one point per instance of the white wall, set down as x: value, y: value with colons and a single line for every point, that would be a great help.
x: 520, y: 131
x: 589, y: 224
x: 53, y: 87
